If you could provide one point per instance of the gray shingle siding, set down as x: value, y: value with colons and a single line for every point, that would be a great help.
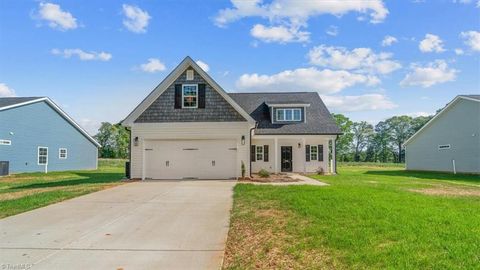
x: 217, y: 109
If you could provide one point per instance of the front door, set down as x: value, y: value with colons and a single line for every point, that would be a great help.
x: 286, y: 158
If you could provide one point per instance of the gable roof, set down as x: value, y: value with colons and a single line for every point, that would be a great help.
x: 186, y: 63
x: 318, y: 118
x: 454, y: 101
x: 14, y: 102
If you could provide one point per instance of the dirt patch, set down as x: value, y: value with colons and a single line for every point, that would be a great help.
x: 273, y: 178
x: 448, y: 191
x: 258, y: 239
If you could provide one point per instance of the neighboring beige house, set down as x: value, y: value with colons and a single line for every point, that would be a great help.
x: 189, y: 127
x: 449, y: 142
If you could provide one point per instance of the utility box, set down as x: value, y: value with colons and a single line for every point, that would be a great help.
x: 4, y: 168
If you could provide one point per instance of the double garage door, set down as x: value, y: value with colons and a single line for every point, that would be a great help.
x: 187, y: 159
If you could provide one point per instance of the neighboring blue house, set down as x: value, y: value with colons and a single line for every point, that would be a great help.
x: 36, y: 135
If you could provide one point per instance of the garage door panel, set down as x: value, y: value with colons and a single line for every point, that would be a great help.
x: 202, y: 159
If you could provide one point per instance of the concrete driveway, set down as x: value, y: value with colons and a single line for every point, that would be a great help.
x: 143, y: 225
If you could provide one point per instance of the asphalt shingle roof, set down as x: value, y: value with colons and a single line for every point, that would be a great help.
x: 318, y: 118
x: 8, y: 101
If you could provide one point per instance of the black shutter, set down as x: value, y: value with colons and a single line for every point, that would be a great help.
x: 252, y: 153
x: 265, y: 153
x: 178, y: 96
x: 307, y: 152
x: 320, y: 152
x: 201, y: 96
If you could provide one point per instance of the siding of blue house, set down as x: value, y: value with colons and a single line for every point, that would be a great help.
x: 38, y: 124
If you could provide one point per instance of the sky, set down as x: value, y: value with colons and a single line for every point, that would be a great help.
x: 369, y: 60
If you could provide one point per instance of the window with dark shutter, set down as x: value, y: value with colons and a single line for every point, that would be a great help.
x: 178, y: 96
x: 265, y: 153
x: 320, y: 152
x: 252, y: 153
x: 201, y: 96
x: 307, y: 152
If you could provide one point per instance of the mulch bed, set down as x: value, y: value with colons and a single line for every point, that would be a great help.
x: 273, y: 178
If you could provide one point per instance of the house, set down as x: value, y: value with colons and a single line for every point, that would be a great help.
x: 37, y: 136
x: 189, y: 127
x: 450, y: 141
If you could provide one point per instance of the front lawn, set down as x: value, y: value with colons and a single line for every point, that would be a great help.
x: 369, y: 217
x: 27, y: 191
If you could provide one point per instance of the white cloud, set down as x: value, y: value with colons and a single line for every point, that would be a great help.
x: 431, y: 43
x: 417, y: 114
x: 298, y: 12
x: 280, y: 34
x: 305, y: 79
x: 82, y: 55
x: 153, y: 65
x: 56, y: 17
x: 472, y: 39
x: 332, y: 30
x: 367, y: 102
x: 203, y: 65
x: 459, y: 51
x: 433, y: 73
x: 360, y: 59
x: 91, y: 126
x: 136, y: 19
x: 388, y: 41
x: 6, y: 91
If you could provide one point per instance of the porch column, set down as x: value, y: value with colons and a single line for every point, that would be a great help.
x: 275, y: 153
x: 334, y: 158
x: 304, y: 155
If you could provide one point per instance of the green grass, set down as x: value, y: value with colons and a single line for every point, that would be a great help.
x: 368, y: 218
x: 27, y: 191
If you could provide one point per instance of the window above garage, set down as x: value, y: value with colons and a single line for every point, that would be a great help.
x: 190, y: 96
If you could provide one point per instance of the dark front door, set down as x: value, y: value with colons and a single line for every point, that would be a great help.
x: 286, y: 158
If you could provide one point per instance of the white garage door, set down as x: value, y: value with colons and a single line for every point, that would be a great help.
x: 183, y: 159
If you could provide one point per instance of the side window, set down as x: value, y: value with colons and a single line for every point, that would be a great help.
x: 62, y: 153
x: 42, y: 155
x: 259, y: 152
x: 313, y: 152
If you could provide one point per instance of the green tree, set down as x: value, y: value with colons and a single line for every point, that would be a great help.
x: 400, y: 129
x: 362, y: 132
x: 113, y: 140
x: 344, y: 141
x: 382, y: 141
x: 419, y: 122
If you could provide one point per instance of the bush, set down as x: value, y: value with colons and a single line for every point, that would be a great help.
x: 264, y: 173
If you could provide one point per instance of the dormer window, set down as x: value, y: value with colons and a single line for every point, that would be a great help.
x: 289, y: 115
x: 190, y: 96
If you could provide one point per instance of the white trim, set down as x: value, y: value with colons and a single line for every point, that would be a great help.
x: 60, y: 153
x: 58, y: 110
x: 38, y: 155
x: 287, y: 105
x: 5, y: 142
x: 186, y: 63
x: 454, y: 101
x: 196, y: 95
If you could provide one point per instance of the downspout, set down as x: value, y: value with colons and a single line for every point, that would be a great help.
x: 129, y: 151
x: 250, y: 147
x: 335, y: 161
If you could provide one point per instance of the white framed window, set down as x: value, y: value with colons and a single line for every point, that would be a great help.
x: 42, y: 155
x: 62, y: 153
x: 190, y: 96
x: 443, y: 146
x: 259, y: 152
x: 289, y: 115
x: 189, y: 74
x: 313, y: 152
x: 5, y: 142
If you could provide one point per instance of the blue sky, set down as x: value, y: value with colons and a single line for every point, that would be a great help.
x: 367, y: 59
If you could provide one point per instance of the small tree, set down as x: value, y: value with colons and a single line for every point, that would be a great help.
x: 243, y: 169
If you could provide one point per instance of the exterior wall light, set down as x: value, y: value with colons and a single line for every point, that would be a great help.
x: 135, y: 141
x: 243, y: 140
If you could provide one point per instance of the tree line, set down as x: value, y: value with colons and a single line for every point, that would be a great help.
x: 361, y: 141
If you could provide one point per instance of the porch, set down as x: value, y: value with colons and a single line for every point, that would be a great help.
x: 293, y: 153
